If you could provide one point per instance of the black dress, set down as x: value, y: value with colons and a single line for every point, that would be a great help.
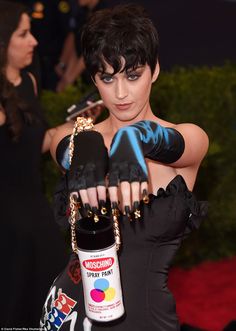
x: 31, y: 246
x: 149, y: 246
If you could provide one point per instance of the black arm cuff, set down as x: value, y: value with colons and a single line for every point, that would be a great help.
x: 62, y: 153
x: 168, y: 152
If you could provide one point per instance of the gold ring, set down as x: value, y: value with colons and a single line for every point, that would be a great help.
x: 89, y: 213
x: 103, y: 210
x: 146, y: 199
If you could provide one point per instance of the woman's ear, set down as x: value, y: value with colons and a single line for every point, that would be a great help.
x: 156, y: 72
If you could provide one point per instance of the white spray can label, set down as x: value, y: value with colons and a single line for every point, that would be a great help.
x: 101, y: 283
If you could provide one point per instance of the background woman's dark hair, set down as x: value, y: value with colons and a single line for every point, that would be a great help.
x: 15, y: 109
x: 123, y: 31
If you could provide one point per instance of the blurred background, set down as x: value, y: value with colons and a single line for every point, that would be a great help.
x: 193, y: 32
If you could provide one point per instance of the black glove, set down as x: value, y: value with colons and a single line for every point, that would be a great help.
x: 126, y: 161
x: 131, y: 144
x: 89, y: 162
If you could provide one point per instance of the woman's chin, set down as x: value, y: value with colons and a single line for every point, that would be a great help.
x: 125, y: 117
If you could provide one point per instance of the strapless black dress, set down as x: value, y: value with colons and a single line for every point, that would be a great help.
x: 148, y: 248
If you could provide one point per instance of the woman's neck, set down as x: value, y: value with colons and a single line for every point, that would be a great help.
x: 13, y: 75
x: 115, y: 124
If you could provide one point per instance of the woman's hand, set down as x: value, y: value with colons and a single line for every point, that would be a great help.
x: 127, y: 169
x: 130, y: 145
x: 88, y: 169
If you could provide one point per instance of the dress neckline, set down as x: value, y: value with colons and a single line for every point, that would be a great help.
x: 177, y: 183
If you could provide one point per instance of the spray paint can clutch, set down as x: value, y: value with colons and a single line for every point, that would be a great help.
x: 99, y: 269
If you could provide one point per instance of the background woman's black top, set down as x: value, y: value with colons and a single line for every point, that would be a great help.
x: 31, y: 247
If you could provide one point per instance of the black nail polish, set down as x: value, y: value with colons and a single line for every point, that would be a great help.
x: 127, y: 211
x: 87, y: 206
x: 135, y: 205
x: 95, y: 210
x: 145, y: 197
x: 144, y: 192
x: 79, y: 205
x: 102, y: 203
x: 114, y: 205
x: 88, y: 209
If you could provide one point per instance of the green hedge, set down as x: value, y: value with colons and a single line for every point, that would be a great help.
x: 204, y: 96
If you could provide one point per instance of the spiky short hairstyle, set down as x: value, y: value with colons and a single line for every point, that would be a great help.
x: 124, y: 31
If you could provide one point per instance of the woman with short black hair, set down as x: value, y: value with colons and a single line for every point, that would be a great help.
x: 140, y: 163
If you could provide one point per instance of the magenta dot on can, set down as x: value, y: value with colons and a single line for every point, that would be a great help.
x: 97, y: 295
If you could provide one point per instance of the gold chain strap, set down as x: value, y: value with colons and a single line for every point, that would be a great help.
x: 85, y: 124
x: 81, y: 124
x: 72, y: 223
x: 115, y: 215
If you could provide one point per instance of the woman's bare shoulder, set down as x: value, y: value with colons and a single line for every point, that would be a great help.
x: 196, y: 142
x: 192, y: 130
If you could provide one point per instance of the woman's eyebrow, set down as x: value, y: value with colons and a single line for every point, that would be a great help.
x: 139, y: 67
x: 102, y: 73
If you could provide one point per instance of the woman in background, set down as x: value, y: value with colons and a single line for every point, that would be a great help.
x: 31, y: 246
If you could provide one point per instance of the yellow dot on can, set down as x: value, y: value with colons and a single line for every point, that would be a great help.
x: 110, y: 294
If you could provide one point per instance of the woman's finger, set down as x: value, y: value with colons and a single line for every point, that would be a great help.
x: 135, y: 192
x: 85, y: 201
x: 93, y: 201
x: 113, y: 195
x: 101, y: 191
x: 92, y: 197
x: 126, y: 197
x: 136, y: 196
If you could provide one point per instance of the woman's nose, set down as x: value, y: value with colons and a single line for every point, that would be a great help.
x: 121, y: 89
x: 34, y: 41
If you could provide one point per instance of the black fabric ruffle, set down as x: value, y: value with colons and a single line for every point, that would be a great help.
x: 197, y: 209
